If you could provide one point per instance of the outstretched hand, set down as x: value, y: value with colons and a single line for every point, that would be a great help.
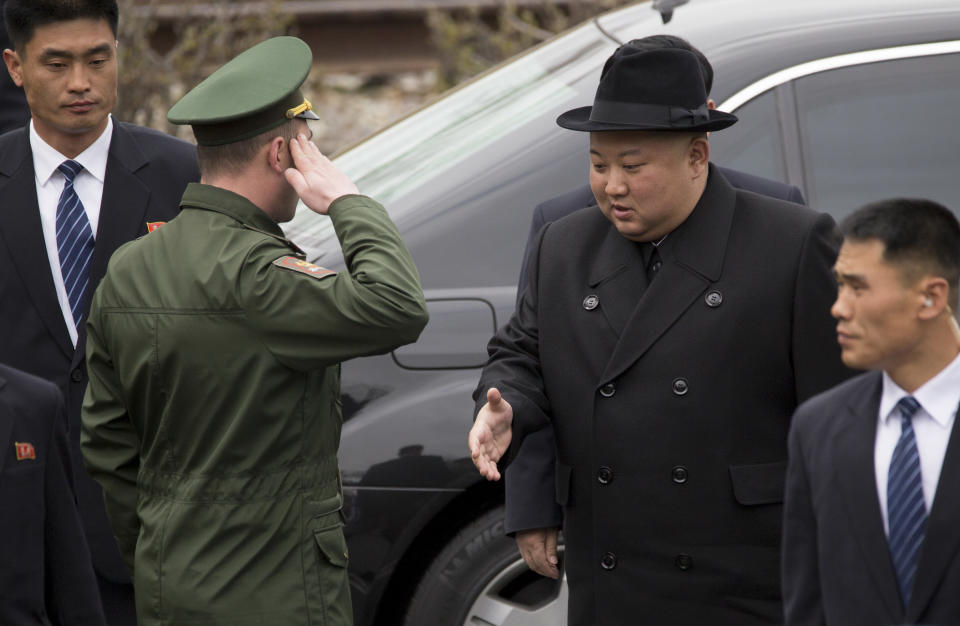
x: 491, y: 434
x: 314, y: 177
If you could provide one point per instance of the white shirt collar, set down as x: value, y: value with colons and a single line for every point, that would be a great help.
x: 47, y: 159
x: 938, y: 397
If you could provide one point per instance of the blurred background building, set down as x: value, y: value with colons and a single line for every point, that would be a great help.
x: 375, y: 60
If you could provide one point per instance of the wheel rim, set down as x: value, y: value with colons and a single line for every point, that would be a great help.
x: 516, y: 596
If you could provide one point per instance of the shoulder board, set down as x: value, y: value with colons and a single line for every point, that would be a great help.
x: 304, y: 267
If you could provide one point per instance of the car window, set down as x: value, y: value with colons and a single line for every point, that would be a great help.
x: 880, y: 130
x: 481, y: 158
x: 754, y: 143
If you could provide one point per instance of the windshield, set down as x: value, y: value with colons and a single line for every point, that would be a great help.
x: 427, y: 162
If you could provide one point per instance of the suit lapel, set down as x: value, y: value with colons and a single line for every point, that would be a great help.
x: 942, y: 540
x: 618, y: 278
x: 23, y: 234
x: 691, y: 262
x: 855, y: 479
x: 123, y: 207
x: 6, y: 424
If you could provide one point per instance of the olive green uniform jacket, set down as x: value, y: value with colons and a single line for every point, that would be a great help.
x: 212, y: 417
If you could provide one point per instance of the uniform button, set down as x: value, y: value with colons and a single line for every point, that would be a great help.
x: 604, y: 475
x: 608, y: 390
x: 680, y: 474
x: 714, y: 299
x: 608, y: 561
x: 591, y: 302
x: 76, y: 375
x: 683, y: 561
x: 680, y: 387
x: 656, y: 266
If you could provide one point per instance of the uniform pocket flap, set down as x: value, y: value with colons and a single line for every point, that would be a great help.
x: 563, y: 473
x: 758, y: 484
x: 332, y: 545
x: 316, y: 508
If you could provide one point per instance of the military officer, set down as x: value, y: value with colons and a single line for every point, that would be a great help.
x: 212, y: 417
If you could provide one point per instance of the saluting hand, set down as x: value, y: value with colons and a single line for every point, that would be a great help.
x: 314, y: 177
x: 491, y: 434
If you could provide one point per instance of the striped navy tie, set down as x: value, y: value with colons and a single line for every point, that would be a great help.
x: 74, y: 240
x: 906, y: 509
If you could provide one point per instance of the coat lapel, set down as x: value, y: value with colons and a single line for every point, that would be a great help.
x: 23, y: 234
x: 693, y: 260
x: 855, y: 479
x: 942, y: 540
x: 123, y: 207
x: 618, y: 278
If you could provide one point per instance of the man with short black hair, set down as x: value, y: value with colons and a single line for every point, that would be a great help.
x: 872, y: 506
x: 75, y: 185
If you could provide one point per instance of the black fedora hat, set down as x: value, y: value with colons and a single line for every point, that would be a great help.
x: 649, y: 90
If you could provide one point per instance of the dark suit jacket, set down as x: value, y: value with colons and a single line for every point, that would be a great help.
x: 146, y: 174
x: 45, y: 569
x: 530, y: 484
x: 671, y: 411
x: 836, y: 560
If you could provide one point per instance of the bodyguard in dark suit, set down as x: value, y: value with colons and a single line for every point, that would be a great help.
x: 45, y: 571
x: 872, y: 512
x: 532, y: 513
x: 109, y: 182
x: 668, y: 338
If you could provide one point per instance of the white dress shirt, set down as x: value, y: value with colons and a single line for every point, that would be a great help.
x: 50, y: 182
x: 932, y: 423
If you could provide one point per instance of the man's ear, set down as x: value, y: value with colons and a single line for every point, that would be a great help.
x: 276, y: 154
x: 935, y: 292
x: 12, y: 59
x: 698, y: 154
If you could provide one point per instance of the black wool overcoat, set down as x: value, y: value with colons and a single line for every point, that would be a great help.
x: 671, y: 403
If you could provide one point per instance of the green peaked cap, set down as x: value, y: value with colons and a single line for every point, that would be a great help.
x: 256, y: 91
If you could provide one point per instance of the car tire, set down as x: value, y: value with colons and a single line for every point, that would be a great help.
x: 480, y: 578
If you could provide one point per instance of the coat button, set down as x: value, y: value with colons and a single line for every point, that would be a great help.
x: 76, y: 375
x: 680, y: 474
x: 604, y: 475
x: 680, y: 387
x: 714, y: 299
x: 591, y: 302
x: 683, y: 561
x: 608, y: 561
x: 608, y: 390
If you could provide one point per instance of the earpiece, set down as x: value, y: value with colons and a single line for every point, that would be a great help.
x: 928, y: 302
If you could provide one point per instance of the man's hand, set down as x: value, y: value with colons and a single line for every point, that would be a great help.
x: 314, y: 177
x: 491, y: 434
x: 538, y: 547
